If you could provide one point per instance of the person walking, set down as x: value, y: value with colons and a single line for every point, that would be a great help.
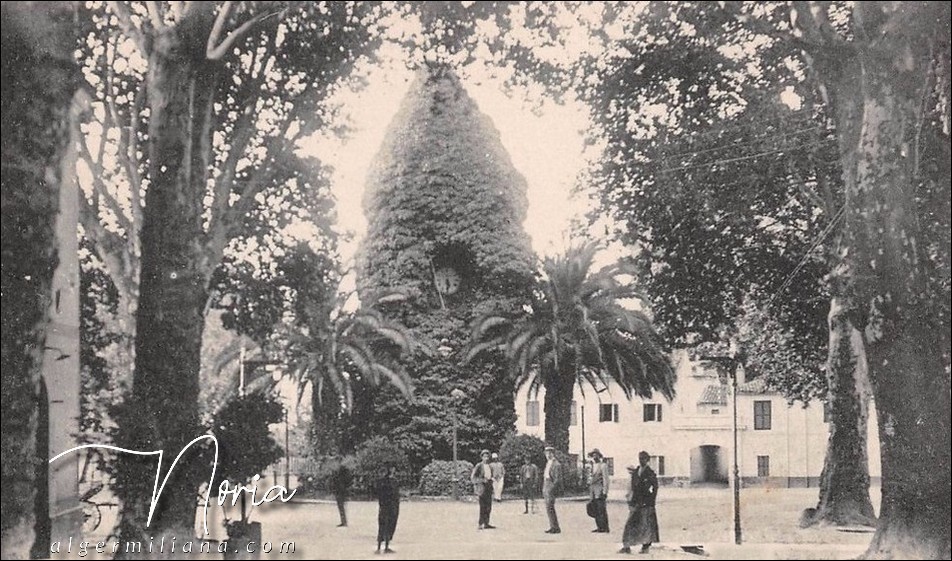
x: 499, y: 476
x: 529, y: 479
x: 340, y: 481
x: 642, y: 525
x: 551, y: 481
x: 388, y: 498
x: 598, y: 489
x: 482, y: 479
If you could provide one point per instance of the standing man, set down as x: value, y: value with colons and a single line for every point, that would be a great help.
x: 642, y: 524
x: 551, y: 481
x: 482, y: 479
x: 598, y: 488
x: 499, y: 476
x: 529, y: 478
x: 341, y: 480
x: 388, y: 498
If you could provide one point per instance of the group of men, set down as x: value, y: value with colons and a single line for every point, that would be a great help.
x: 487, y: 487
x: 641, y: 527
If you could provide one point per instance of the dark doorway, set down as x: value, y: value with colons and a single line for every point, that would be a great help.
x: 708, y: 465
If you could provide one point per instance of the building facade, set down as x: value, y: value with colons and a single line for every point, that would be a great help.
x: 690, y: 439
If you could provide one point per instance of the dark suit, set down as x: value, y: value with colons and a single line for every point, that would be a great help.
x: 551, y: 484
x: 642, y: 524
x: 598, y: 488
x: 482, y: 480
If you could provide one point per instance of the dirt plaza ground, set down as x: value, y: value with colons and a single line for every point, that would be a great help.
x: 446, y: 529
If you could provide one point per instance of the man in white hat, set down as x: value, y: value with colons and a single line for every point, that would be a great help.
x: 499, y: 476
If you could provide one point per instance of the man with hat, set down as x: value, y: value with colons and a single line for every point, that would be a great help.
x: 598, y: 488
x: 482, y: 479
x: 551, y: 480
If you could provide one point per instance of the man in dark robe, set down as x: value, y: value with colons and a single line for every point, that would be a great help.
x: 388, y: 499
x: 642, y: 525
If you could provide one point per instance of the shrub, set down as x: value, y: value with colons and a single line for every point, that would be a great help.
x: 514, y: 448
x: 319, y: 473
x: 246, y: 446
x: 437, y: 478
x: 378, y: 454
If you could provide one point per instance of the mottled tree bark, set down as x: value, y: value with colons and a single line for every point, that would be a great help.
x: 878, y: 84
x: 40, y: 79
x: 162, y: 413
x: 844, y: 482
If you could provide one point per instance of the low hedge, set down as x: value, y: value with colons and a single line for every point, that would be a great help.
x: 438, y: 477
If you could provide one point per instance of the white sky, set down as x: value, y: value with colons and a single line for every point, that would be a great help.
x: 546, y: 146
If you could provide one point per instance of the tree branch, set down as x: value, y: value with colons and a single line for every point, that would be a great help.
x: 128, y: 27
x: 813, y: 21
x: 218, y: 27
x: 155, y: 15
x: 100, y: 191
x: 244, y: 131
x: 218, y: 52
x: 131, y: 159
x: 112, y: 248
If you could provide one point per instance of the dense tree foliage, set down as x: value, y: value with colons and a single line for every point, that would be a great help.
x: 444, y: 196
x: 40, y: 79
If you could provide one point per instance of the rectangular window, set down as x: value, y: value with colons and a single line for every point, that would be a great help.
x: 763, y: 466
x: 573, y: 414
x: 761, y: 415
x: 608, y: 412
x: 611, y: 465
x: 652, y: 413
x: 715, y: 411
x: 657, y: 464
x: 532, y: 413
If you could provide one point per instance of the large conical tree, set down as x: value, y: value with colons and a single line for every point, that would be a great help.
x: 445, y: 207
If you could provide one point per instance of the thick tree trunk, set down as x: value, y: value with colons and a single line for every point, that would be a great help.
x: 844, y: 483
x: 39, y: 81
x: 878, y: 87
x: 163, y: 410
x: 558, y: 411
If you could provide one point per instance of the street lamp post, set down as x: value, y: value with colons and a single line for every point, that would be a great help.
x: 457, y: 395
x: 737, y: 532
x: 446, y: 351
x: 732, y: 362
x: 287, y: 451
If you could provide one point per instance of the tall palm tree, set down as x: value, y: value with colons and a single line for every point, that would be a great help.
x: 578, y: 331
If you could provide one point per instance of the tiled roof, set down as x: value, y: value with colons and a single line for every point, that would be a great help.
x: 714, y: 395
x: 757, y: 385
